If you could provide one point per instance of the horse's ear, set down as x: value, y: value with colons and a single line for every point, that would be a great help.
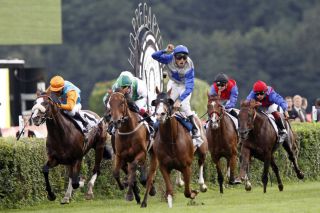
x: 169, y: 92
x: 170, y: 101
x: 109, y: 91
x: 157, y: 90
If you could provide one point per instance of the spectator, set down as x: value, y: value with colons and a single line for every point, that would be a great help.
x: 290, y: 105
x: 298, y: 113
x: 317, y: 105
x: 304, y: 105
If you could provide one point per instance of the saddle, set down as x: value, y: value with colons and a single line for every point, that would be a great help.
x: 89, y: 118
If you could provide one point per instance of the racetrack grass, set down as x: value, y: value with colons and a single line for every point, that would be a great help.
x: 300, y: 197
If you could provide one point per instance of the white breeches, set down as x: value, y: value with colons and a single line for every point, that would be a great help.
x: 75, y: 109
x: 177, y: 90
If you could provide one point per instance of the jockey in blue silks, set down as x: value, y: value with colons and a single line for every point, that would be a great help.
x: 270, y: 100
x: 181, y: 74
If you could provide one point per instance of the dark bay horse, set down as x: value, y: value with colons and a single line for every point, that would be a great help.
x: 173, y: 149
x: 259, y: 139
x: 130, y: 142
x: 66, y: 145
x: 222, y: 139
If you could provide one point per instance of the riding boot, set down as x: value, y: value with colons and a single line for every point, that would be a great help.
x: 282, y: 130
x: 111, y: 129
x: 149, y: 121
x: 234, y: 114
x: 195, y: 130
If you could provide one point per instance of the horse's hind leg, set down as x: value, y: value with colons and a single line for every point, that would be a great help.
x: 68, y: 193
x: 45, y: 171
x: 276, y: 171
x: 287, y: 145
x: 201, y: 160
x: 232, y: 165
x: 187, y: 176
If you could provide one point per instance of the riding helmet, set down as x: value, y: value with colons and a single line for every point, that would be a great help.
x: 56, y: 83
x: 222, y: 78
x: 125, y: 81
x: 259, y: 86
x: 181, y: 49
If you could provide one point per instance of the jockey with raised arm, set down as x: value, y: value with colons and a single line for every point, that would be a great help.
x: 135, y: 91
x: 181, y: 74
x: 227, y: 90
x: 69, y: 97
x: 270, y: 100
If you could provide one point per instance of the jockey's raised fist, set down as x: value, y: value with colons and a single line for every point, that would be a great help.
x: 170, y: 48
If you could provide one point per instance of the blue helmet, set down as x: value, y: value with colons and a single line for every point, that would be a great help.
x: 181, y: 49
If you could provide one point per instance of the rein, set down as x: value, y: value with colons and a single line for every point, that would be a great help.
x: 128, y: 133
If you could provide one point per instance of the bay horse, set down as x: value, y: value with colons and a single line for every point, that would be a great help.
x: 66, y: 144
x: 222, y: 137
x: 259, y: 139
x: 173, y: 149
x: 130, y: 143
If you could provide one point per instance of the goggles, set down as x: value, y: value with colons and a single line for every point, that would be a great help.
x: 181, y: 56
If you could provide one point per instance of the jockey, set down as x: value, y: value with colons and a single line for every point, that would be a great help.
x: 181, y: 74
x: 227, y: 90
x: 270, y: 100
x: 69, y: 97
x: 135, y: 91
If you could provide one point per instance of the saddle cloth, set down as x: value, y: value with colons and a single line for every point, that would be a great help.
x: 92, y: 121
x: 272, y: 121
x: 234, y: 120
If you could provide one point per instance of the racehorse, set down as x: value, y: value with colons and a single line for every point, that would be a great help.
x: 173, y: 149
x: 66, y: 144
x: 222, y: 138
x: 130, y: 142
x: 259, y: 139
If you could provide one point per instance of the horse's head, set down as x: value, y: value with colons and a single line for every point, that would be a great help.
x: 118, y: 108
x: 43, y: 108
x: 215, y: 111
x: 163, y: 105
x: 247, y: 115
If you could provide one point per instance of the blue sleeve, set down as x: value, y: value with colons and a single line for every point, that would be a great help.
x: 162, y: 57
x: 212, y: 91
x: 233, y: 98
x: 251, y: 96
x: 189, y: 84
x: 277, y: 99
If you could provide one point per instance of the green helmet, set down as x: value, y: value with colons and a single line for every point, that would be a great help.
x: 124, y: 81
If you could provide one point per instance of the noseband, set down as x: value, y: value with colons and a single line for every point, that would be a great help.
x: 42, y: 109
x: 219, y: 114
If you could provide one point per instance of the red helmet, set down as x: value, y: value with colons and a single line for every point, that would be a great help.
x: 260, y: 86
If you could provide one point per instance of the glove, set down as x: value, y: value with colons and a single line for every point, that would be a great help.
x: 286, y: 114
x: 169, y: 48
x: 177, y: 104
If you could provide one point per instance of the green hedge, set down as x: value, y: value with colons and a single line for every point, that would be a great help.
x: 22, y: 183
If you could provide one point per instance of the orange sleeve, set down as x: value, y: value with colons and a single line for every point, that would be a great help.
x: 72, y: 97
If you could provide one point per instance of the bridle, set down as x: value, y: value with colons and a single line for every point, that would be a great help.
x: 123, y: 104
x: 214, y: 111
x: 38, y: 108
x: 251, y: 117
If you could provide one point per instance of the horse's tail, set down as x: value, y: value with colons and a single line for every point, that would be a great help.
x: 292, y: 138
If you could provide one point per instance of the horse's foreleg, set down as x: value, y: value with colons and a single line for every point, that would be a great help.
x: 220, y: 175
x: 96, y: 172
x: 68, y: 193
x: 179, y: 181
x: 188, y: 193
x: 151, y: 174
x: 74, y: 174
x: 292, y: 157
x: 244, y: 167
x: 264, y: 177
x: 169, y: 189
x: 276, y: 171
x: 233, y: 165
x: 45, y: 171
x: 201, y: 160
x: 116, y: 171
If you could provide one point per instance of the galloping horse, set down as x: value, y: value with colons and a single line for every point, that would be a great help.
x: 259, y: 139
x: 130, y: 143
x: 66, y: 144
x: 222, y: 138
x: 173, y: 149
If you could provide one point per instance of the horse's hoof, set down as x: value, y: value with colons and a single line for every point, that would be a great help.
x: 138, y: 200
x: 152, y: 191
x: 65, y: 200
x: 203, y: 188
x: 143, y: 205
x: 121, y: 187
x: 248, y: 187
x: 75, y: 185
x: 280, y: 187
x: 51, y: 197
x: 89, y: 196
x: 236, y: 181
x: 194, y: 193
x: 300, y: 175
x: 129, y: 197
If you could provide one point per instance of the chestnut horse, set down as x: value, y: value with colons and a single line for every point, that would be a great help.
x: 259, y: 139
x: 66, y: 145
x: 222, y: 138
x: 130, y: 142
x: 173, y: 149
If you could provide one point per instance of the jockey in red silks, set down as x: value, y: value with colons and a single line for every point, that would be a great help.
x: 227, y: 90
x: 270, y: 100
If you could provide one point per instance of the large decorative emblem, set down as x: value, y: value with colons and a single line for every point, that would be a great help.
x: 145, y: 40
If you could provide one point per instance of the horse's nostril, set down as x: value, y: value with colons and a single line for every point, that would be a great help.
x: 162, y: 113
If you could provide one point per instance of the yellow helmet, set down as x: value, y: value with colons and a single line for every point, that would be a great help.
x: 56, y: 83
